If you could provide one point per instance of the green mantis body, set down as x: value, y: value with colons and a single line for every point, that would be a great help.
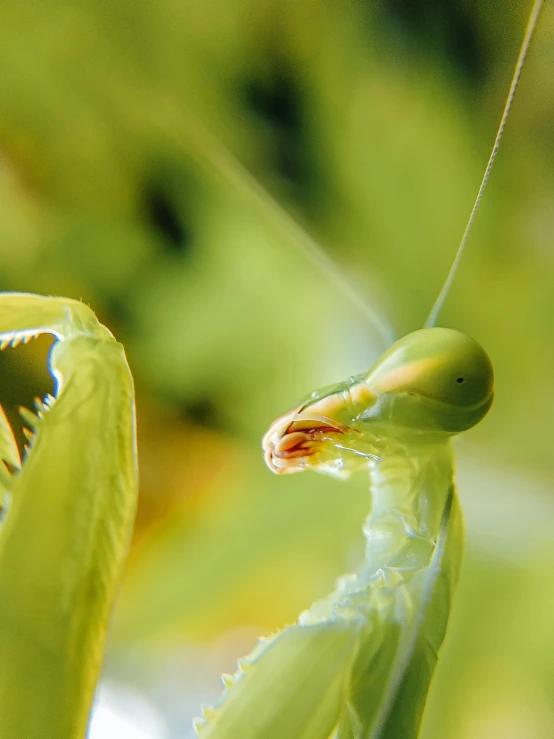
x: 358, y: 663
x: 70, y: 508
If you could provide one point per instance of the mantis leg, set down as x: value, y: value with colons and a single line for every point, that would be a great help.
x: 68, y: 524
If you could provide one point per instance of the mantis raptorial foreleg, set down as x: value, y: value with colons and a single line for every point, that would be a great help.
x: 70, y: 509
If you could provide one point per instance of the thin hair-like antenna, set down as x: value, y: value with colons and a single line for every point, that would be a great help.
x: 529, y: 31
x: 210, y: 152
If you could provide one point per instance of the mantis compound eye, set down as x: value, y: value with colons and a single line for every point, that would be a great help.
x: 440, y: 370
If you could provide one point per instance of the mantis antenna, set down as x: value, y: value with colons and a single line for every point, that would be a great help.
x: 529, y: 31
x: 212, y: 153
x: 287, y: 224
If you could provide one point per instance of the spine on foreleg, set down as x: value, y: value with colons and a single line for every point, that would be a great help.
x: 67, y: 530
x: 339, y: 672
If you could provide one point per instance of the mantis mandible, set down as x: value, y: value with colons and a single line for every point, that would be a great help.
x: 358, y: 663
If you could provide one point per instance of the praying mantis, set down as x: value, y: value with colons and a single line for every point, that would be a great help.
x: 358, y: 663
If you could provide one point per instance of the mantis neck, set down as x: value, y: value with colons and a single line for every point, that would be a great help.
x: 410, y: 488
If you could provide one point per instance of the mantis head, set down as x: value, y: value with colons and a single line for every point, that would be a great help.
x: 432, y: 382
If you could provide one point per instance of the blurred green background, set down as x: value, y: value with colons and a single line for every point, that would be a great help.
x: 144, y: 148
